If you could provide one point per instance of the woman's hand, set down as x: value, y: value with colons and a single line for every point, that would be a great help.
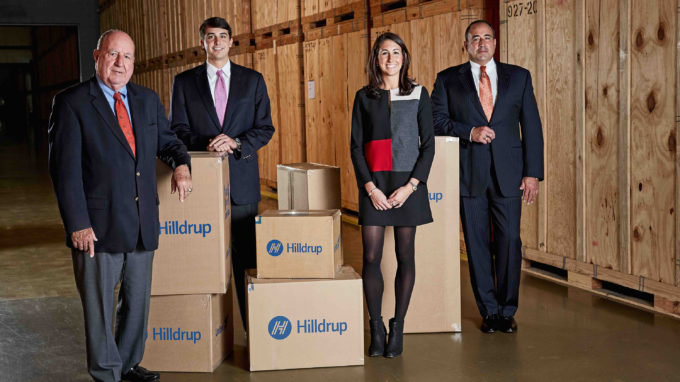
x: 379, y: 200
x: 399, y: 196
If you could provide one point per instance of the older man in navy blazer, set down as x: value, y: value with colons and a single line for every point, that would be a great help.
x: 224, y: 107
x: 104, y: 137
x: 491, y: 107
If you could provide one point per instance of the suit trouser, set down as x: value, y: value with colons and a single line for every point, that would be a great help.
x: 108, y: 354
x: 495, y: 283
x: 242, y: 248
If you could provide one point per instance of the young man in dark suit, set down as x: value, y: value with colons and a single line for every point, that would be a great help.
x: 223, y: 107
x: 491, y: 107
x: 104, y: 136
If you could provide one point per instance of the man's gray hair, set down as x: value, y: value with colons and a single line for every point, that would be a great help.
x: 106, y: 34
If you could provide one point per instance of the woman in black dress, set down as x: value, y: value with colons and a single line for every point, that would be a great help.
x: 392, y: 149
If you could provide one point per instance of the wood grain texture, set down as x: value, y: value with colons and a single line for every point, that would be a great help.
x: 560, y: 123
x: 653, y: 149
x: 291, y: 121
x: 602, y: 135
x: 677, y: 159
x: 264, y: 61
x: 519, y: 45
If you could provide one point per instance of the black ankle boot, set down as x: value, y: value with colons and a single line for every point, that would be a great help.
x: 395, y: 343
x: 378, y: 334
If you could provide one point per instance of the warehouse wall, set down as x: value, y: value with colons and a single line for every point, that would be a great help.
x: 606, y: 79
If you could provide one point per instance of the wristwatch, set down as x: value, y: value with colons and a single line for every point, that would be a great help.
x: 238, y: 142
x: 413, y: 186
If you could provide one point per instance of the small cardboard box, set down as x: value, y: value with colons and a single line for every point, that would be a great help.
x: 189, y: 332
x: 194, y: 236
x: 308, y: 186
x: 296, y: 324
x: 298, y: 244
x: 435, y: 303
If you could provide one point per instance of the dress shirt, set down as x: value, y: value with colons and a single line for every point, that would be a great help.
x: 108, y: 93
x: 493, y: 78
x: 212, y: 77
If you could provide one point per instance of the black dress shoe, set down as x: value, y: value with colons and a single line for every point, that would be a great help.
x: 507, y: 325
x: 490, y: 323
x: 140, y: 374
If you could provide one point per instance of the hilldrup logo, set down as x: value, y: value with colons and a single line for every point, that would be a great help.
x: 172, y: 334
x: 436, y: 196
x: 174, y: 227
x: 275, y: 248
x: 279, y: 327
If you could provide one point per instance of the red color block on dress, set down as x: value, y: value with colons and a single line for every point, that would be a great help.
x: 379, y: 155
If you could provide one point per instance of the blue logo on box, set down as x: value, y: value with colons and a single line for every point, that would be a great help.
x: 279, y: 327
x: 274, y: 248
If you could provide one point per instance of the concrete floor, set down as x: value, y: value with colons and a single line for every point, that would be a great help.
x: 565, y: 334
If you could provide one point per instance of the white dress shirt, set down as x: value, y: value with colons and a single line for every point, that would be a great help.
x: 491, y: 72
x: 493, y: 78
x: 226, y: 74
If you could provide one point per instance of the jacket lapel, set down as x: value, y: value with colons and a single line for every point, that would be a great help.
x: 236, y: 90
x: 465, y: 74
x: 102, y: 106
x: 204, y: 92
x: 138, y: 121
x: 503, y: 84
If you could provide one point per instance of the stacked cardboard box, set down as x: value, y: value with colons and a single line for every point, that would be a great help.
x: 304, y: 308
x: 190, y: 316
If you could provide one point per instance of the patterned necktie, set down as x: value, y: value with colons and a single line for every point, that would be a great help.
x: 220, y: 97
x: 485, y: 93
x: 124, y: 122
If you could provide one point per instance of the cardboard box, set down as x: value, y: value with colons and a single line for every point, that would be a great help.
x: 308, y: 186
x: 435, y: 303
x: 189, y: 332
x: 305, y: 323
x: 194, y: 243
x: 298, y: 244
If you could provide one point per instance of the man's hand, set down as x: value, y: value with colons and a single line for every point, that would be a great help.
x: 530, y: 187
x: 83, y: 240
x: 482, y: 134
x: 222, y: 143
x: 181, y: 181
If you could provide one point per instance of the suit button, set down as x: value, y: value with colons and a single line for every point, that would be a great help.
x: 136, y: 198
x: 138, y: 173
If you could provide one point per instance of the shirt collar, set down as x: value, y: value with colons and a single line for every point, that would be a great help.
x: 108, y: 91
x: 491, y: 65
x: 212, y: 70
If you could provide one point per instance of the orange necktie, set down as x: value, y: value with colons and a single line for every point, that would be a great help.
x: 485, y: 93
x: 124, y: 122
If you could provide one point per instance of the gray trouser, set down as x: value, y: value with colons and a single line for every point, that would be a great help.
x: 96, y: 278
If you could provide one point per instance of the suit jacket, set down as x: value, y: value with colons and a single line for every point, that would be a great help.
x: 97, y: 180
x: 457, y: 109
x: 248, y: 117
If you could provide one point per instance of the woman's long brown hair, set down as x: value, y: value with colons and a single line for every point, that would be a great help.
x: 375, y: 79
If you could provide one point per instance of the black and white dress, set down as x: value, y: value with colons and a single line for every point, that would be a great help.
x: 392, y: 142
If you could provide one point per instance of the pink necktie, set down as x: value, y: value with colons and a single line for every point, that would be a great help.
x: 220, y: 97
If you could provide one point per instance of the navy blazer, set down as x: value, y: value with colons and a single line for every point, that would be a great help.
x: 457, y: 109
x: 248, y: 117
x: 97, y: 180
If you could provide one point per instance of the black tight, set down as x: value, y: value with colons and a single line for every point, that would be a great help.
x: 404, y: 243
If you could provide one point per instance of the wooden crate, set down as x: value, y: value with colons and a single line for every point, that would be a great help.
x: 334, y: 70
x: 348, y: 18
x: 605, y: 75
x: 266, y: 13
x: 280, y: 62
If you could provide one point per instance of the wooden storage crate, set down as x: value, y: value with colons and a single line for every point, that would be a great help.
x: 334, y: 70
x: 605, y: 75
